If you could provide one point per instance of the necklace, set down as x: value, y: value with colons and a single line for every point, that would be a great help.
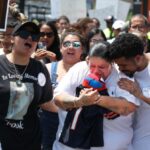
x: 19, y: 77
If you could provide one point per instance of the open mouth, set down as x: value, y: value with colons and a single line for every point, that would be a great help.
x: 69, y: 53
x: 28, y: 45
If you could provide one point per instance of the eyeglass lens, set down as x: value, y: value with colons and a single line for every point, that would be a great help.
x: 75, y: 44
x: 48, y: 34
x: 25, y: 34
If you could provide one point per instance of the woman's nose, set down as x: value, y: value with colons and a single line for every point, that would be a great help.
x: 97, y: 71
x: 70, y: 47
x: 30, y: 37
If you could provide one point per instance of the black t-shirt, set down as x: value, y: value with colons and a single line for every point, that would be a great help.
x: 19, y: 124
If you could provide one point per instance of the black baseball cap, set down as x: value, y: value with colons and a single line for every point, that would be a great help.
x: 31, y: 25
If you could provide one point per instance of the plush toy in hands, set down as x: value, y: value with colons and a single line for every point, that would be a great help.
x: 93, y: 81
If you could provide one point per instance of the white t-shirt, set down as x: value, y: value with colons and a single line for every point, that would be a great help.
x: 141, y: 139
x: 118, y: 132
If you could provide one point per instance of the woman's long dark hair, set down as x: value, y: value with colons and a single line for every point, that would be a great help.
x: 55, y: 47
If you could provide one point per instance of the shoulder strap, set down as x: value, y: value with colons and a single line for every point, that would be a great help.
x: 53, y: 72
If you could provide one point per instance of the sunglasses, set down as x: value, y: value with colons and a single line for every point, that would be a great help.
x: 48, y: 34
x: 25, y: 34
x: 75, y: 44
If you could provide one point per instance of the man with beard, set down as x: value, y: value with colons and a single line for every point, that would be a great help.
x: 127, y: 51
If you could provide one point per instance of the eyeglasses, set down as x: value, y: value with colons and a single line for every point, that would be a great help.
x: 75, y: 44
x: 48, y: 34
x: 25, y: 34
x: 138, y: 27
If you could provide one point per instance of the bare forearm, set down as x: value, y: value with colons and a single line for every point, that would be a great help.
x: 118, y: 105
x: 66, y: 101
x: 50, y: 106
x: 138, y: 93
x: 145, y: 99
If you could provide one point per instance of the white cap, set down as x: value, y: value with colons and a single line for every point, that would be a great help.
x: 118, y: 24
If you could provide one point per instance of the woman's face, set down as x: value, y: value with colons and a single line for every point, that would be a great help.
x: 47, y: 35
x: 96, y: 39
x: 62, y: 24
x: 7, y: 40
x: 71, y: 49
x: 99, y: 66
x: 25, y: 46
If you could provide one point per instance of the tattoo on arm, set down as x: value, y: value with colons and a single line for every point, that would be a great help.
x: 68, y: 104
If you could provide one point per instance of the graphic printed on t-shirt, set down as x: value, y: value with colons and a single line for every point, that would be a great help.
x: 19, y: 100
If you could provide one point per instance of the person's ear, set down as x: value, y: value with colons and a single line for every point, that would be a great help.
x: 138, y: 59
x: 12, y: 40
x: 87, y: 59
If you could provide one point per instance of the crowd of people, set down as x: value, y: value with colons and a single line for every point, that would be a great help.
x: 42, y: 67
